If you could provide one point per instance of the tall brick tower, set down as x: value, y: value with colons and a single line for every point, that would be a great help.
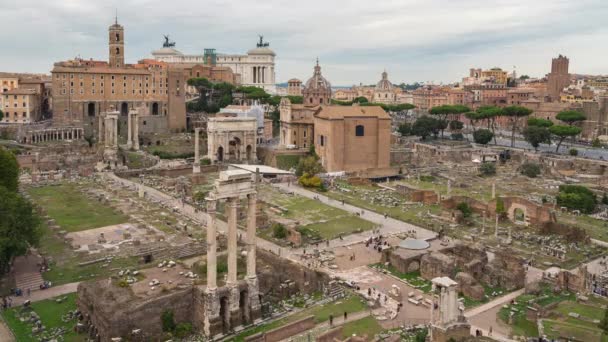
x: 559, y: 78
x: 116, y: 43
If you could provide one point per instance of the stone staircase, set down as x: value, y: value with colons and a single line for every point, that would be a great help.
x: 28, y: 280
x: 335, y: 290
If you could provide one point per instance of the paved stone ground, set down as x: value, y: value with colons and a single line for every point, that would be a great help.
x: 52, y: 292
x: 5, y: 334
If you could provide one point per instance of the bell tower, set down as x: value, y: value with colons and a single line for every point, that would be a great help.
x: 116, y: 44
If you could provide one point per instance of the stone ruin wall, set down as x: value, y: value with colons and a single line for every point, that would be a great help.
x: 114, y: 311
x: 75, y: 157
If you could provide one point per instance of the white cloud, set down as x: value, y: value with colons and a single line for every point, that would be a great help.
x: 415, y: 40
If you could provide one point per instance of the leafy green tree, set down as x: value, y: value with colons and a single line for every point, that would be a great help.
x: 539, y: 122
x: 309, y: 165
x: 536, y: 135
x: 530, y: 170
x: 361, y: 99
x: 9, y: 170
x: 524, y: 77
x: 474, y: 118
x: 444, y: 112
x: 562, y: 132
x: 19, y: 227
x: 596, y: 143
x: 487, y: 169
x: 1, y: 114
x: 605, y: 199
x: 482, y: 136
x: 489, y: 114
x: 514, y: 115
x: 456, y: 125
x: 425, y: 126
x: 405, y: 129
x: 573, y: 152
x: 571, y: 117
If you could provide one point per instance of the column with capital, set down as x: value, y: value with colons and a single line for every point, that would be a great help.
x: 211, y: 245
x: 231, y: 281
x: 254, y: 312
x: 231, y: 210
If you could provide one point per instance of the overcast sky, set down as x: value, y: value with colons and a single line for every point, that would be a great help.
x: 355, y: 40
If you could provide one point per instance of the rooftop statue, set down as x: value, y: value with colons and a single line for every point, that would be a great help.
x: 167, y: 43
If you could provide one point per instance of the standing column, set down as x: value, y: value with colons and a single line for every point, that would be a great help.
x: 231, y: 206
x: 115, y: 129
x: 211, y: 246
x: 251, y: 226
x: 196, y: 168
x: 100, y: 129
x: 496, y: 228
x: 493, y: 190
x: 129, y: 128
x: 136, y: 131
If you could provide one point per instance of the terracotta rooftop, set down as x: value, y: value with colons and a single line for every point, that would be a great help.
x: 340, y: 112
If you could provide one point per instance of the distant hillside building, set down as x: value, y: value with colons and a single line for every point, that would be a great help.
x: 296, y: 129
x: 24, y: 98
x: 352, y: 138
x: 256, y: 68
x: 558, y: 78
x: 83, y: 89
x: 294, y: 87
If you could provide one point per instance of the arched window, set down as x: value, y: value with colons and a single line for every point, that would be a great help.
x: 359, y: 130
x: 117, y: 37
x: 321, y: 100
x: 117, y: 51
x: 322, y: 140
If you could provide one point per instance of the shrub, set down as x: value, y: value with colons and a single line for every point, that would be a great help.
x: 205, y: 161
x: 427, y: 178
x: 482, y: 136
x: 487, y: 169
x: 530, y: 170
x: 573, y: 152
x: 183, y: 330
x: 167, y: 321
x: 169, y: 155
x: 605, y: 199
x: 308, y: 181
x: 465, y: 209
x: 279, y: 231
x: 596, y: 143
x: 457, y: 136
x: 576, y: 197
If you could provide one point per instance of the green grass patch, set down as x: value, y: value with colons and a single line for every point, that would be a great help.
x: 340, y: 226
x: 321, y: 314
x: 566, y: 330
x: 367, y: 326
x: 63, y: 261
x: 50, y: 314
x: 72, y: 210
x: 287, y: 161
x: 413, y: 278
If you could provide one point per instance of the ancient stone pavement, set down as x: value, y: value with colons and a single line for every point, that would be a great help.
x: 389, y: 226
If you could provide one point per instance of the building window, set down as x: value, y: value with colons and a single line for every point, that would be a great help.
x: 322, y: 140
x: 359, y: 130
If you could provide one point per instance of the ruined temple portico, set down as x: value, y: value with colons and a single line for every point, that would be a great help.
x: 237, y: 302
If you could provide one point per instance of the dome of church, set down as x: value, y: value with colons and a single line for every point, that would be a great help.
x: 264, y: 51
x: 317, y: 81
x: 384, y: 84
